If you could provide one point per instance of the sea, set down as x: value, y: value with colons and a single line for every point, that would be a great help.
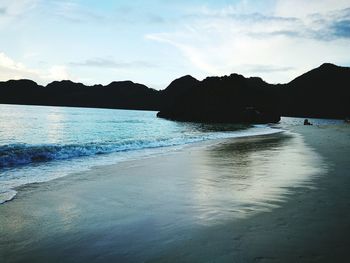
x: 42, y: 143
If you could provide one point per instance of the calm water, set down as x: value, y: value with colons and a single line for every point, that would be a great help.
x: 39, y: 144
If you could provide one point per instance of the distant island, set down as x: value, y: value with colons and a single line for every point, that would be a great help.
x: 323, y: 92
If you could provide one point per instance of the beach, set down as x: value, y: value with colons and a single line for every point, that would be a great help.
x: 289, y: 203
x: 174, y: 131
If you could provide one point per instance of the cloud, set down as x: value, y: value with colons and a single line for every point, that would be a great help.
x: 242, y: 17
x: 274, y: 45
x: 56, y: 72
x: 112, y: 64
x: 13, y: 12
x: 155, y: 19
x: 11, y: 69
x: 338, y: 24
x: 260, y: 68
x: 192, y: 53
x: 341, y: 28
x: 3, y: 10
x: 17, y: 8
x: 74, y: 12
x: 323, y: 26
x: 302, y: 8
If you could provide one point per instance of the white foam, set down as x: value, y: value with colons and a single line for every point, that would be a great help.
x: 12, y: 178
x: 7, y: 196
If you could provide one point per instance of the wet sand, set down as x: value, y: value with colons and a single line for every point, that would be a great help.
x: 312, y: 226
x: 276, y: 198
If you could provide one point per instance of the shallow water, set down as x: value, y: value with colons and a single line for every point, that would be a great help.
x: 38, y: 144
x: 142, y: 211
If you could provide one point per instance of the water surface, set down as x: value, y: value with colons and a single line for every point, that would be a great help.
x: 146, y: 210
x: 38, y: 143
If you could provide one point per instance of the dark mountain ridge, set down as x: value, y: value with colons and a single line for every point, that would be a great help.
x: 231, y: 98
x: 322, y: 92
x: 118, y: 94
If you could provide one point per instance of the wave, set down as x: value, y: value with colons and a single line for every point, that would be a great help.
x: 21, y: 154
x: 7, y: 195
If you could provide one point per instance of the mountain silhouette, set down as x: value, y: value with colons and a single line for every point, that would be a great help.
x: 121, y: 94
x: 231, y: 98
x: 322, y: 92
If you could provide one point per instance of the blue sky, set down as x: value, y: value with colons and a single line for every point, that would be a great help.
x: 154, y: 41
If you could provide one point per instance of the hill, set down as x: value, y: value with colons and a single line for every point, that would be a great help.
x: 121, y: 95
x: 323, y: 92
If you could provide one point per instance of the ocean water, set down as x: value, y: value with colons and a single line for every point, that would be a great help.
x: 39, y: 144
x: 199, y: 203
x: 187, y: 203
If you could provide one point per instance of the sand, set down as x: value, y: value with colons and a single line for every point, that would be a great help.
x: 312, y: 226
x: 179, y: 207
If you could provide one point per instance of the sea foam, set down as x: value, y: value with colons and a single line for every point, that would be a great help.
x: 39, y: 144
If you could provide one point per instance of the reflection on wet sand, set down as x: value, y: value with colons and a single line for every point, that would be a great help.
x: 249, y: 175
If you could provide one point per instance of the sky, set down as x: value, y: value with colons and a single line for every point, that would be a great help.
x: 156, y: 41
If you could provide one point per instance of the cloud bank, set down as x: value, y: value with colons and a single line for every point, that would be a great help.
x: 277, y: 44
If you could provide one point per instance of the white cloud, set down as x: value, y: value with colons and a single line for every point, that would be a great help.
x: 74, y: 12
x: 18, y: 7
x: 110, y: 63
x: 6, y: 61
x: 276, y: 47
x: 302, y: 8
x: 193, y: 53
x: 57, y: 72
x: 14, y: 10
x: 11, y: 69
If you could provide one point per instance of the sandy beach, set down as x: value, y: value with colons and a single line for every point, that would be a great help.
x: 174, y: 131
x: 274, y: 198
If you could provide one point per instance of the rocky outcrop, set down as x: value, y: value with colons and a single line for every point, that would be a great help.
x: 233, y: 99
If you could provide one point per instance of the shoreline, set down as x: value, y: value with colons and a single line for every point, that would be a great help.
x: 169, y: 151
x: 288, y: 232
x: 145, y: 153
x: 312, y: 226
